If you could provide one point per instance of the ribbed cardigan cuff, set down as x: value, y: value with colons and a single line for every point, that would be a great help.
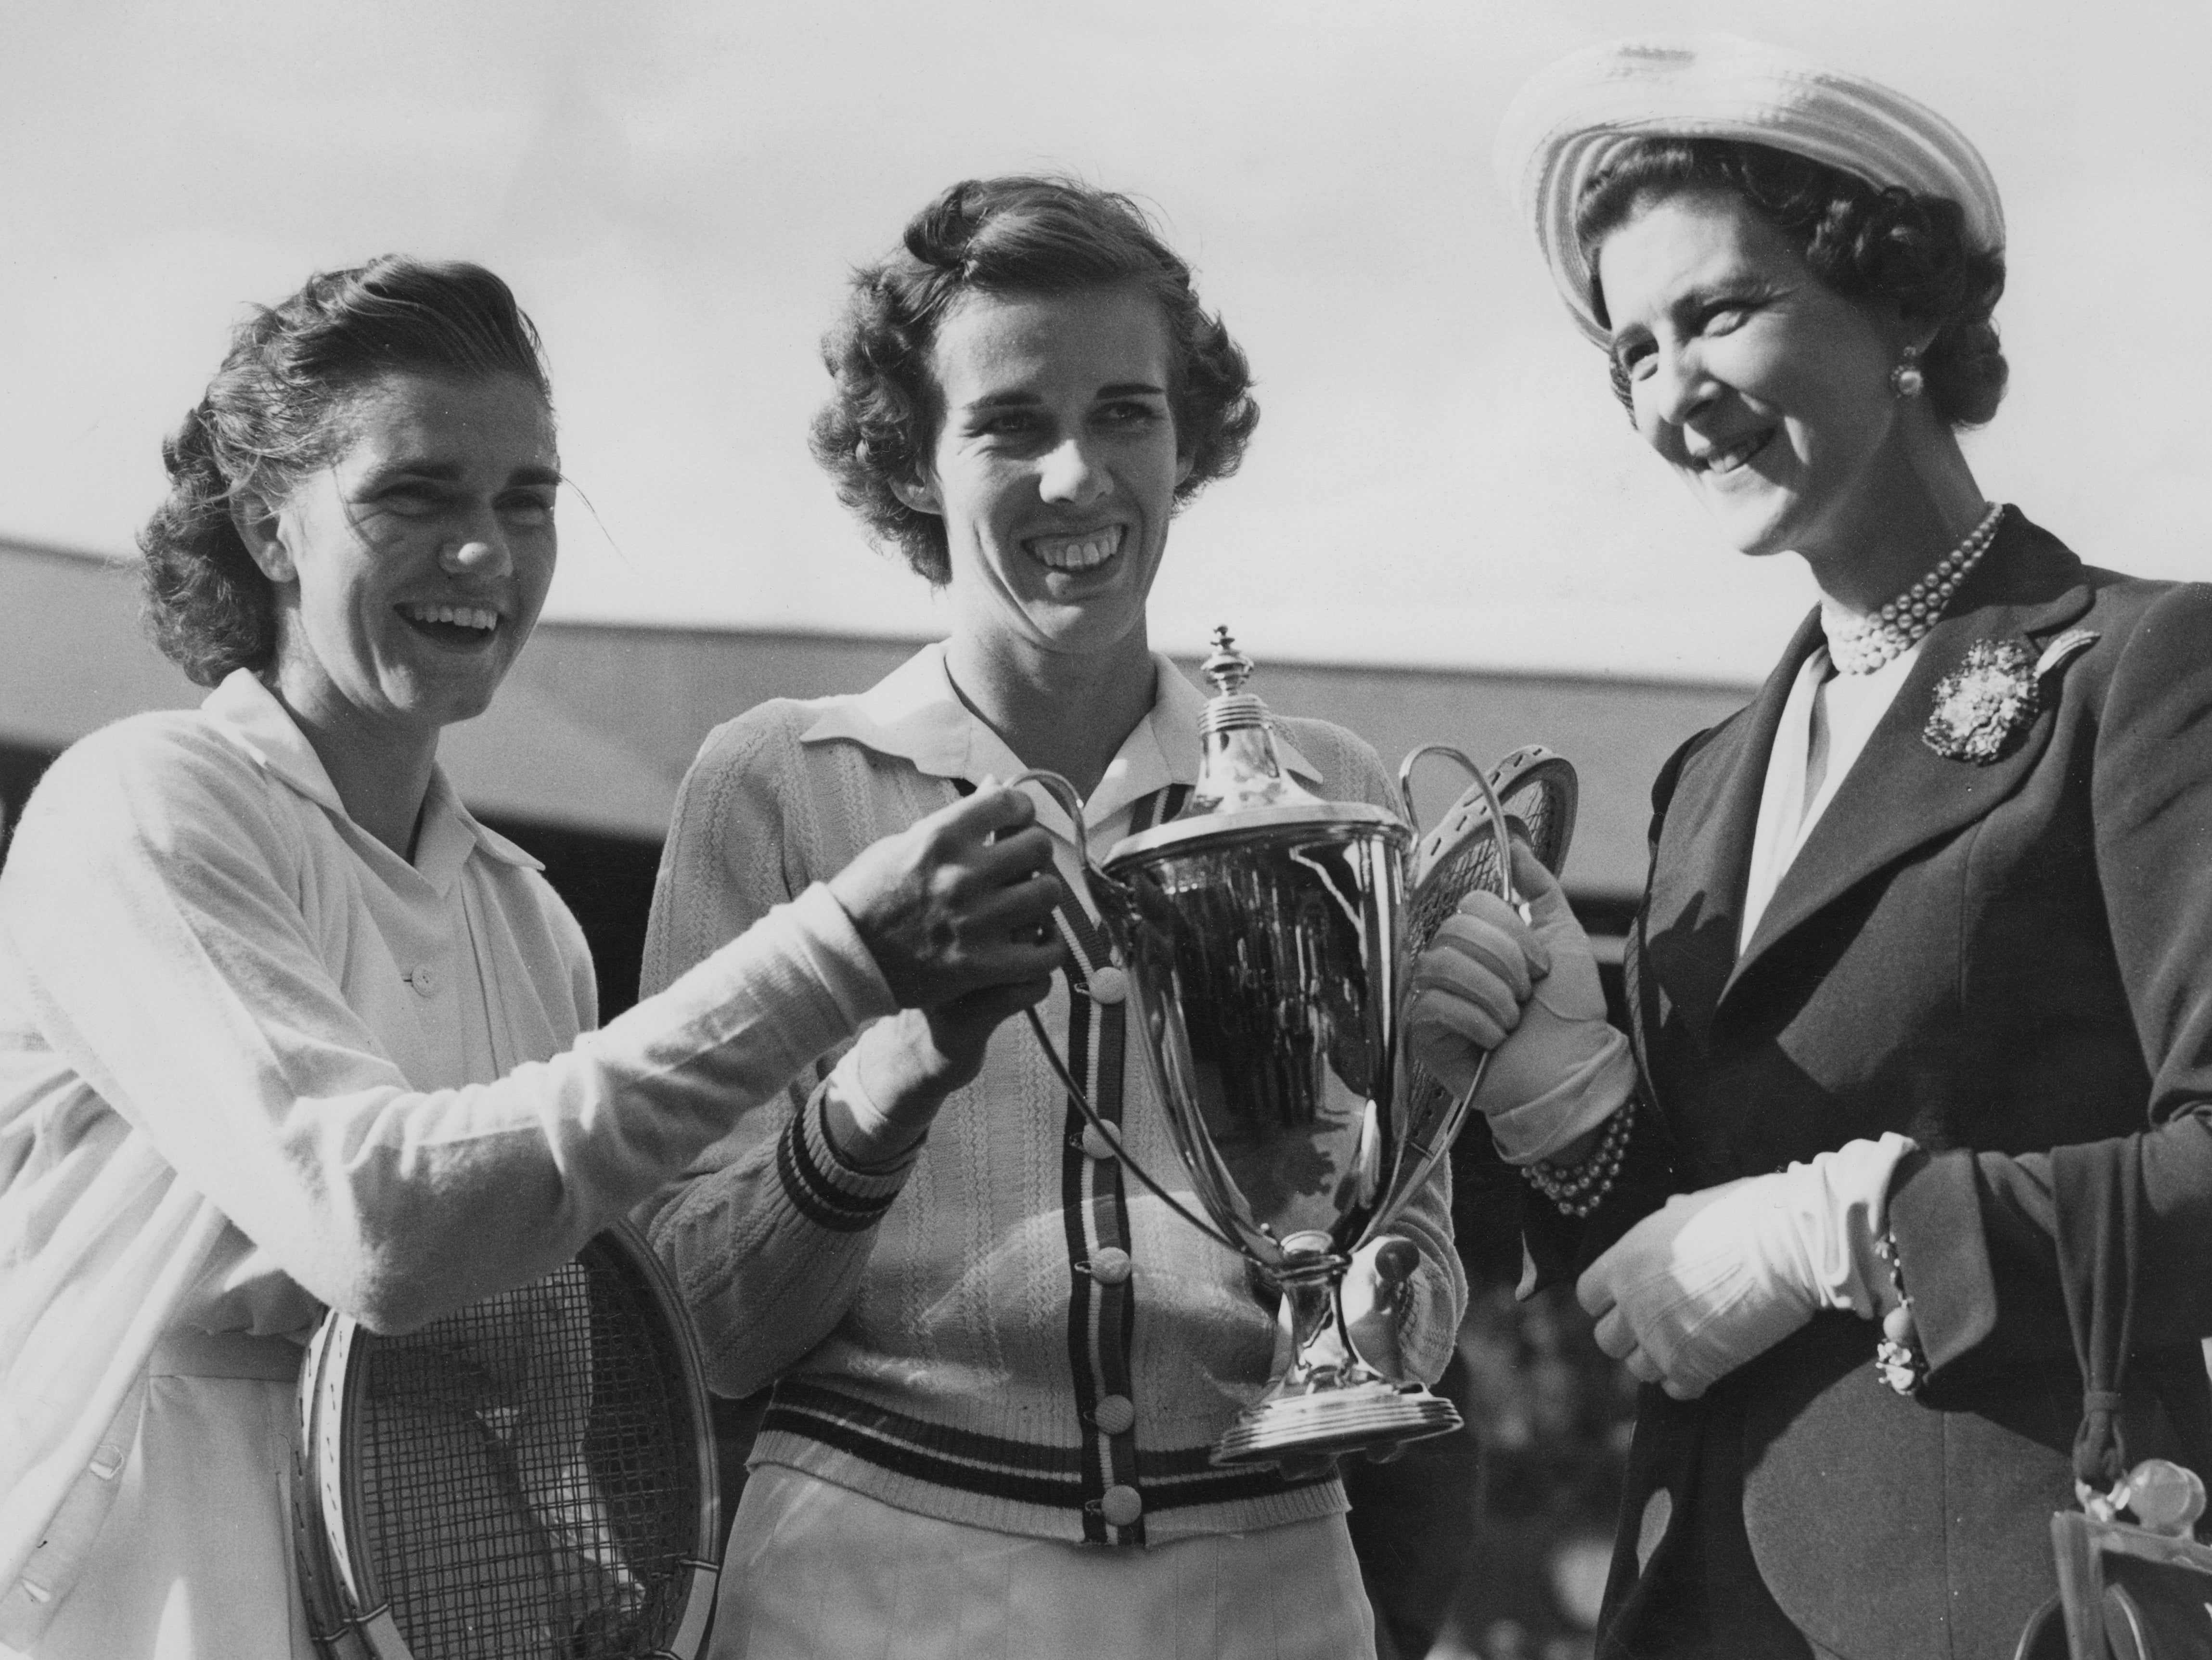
x: 817, y: 1182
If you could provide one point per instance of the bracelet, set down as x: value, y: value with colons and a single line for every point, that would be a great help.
x: 1898, y: 1358
x: 1581, y: 1189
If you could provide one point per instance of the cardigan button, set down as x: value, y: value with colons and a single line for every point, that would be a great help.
x: 1108, y: 985
x: 1099, y: 1144
x: 1115, y: 1413
x: 1122, y: 1506
x: 1110, y: 1265
x: 425, y: 980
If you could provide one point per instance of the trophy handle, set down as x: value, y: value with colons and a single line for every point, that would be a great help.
x: 1498, y: 829
x: 1105, y: 890
x: 1440, y: 1143
x: 1070, y: 803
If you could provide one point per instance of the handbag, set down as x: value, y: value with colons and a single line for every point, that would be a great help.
x: 2126, y: 1591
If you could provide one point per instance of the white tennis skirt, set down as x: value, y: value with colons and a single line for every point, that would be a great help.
x: 817, y: 1571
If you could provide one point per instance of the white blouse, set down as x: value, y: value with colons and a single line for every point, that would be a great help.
x: 252, y: 1062
x: 1841, y: 712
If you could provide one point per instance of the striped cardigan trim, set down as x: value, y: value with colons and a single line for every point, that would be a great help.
x: 1101, y: 1317
x: 1102, y: 1314
x: 995, y: 1467
x: 813, y: 1190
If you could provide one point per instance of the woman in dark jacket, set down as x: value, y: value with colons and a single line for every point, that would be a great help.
x: 1923, y: 979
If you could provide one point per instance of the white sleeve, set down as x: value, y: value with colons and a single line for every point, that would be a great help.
x: 153, y: 907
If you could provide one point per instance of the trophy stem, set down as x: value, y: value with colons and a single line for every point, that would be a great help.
x: 1329, y: 1399
x: 1321, y: 1354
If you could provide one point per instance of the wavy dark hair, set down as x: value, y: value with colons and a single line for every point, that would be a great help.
x: 275, y: 411
x: 1869, y: 243
x: 1014, y: 235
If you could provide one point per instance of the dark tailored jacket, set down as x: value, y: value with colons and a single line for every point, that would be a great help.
x: 1997, y: 960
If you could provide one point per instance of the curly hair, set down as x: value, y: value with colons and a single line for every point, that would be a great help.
x: 275, y: 411
x: 1869, y: 243
x: 1014, y: 235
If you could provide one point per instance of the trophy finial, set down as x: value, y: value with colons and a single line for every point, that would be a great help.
x: 1239, y: 767
x: 1228, y: 668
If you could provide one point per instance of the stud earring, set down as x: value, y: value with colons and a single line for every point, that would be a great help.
x: 1905, y: 379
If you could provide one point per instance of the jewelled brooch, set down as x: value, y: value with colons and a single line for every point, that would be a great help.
x: 1984, y: 703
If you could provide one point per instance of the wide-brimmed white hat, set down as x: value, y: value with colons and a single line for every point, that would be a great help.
x: 1574, y: 117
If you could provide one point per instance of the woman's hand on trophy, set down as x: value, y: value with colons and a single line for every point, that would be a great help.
x: 958, y: 902
x: 1715, y: 1278
x: 1468, y: 988
x: 1557, y: 1070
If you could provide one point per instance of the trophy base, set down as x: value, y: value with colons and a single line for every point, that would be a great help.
x: 1356, y: 1418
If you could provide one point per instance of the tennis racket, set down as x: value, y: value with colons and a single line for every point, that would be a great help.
x: 532, y: 1478
x: 1537, y: 792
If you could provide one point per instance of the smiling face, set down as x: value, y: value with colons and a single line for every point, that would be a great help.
x: 1767, y: 392
x: 1055, y: 466
x: 411, y: 568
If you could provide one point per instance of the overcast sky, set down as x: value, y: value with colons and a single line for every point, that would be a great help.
x: 676, y: 188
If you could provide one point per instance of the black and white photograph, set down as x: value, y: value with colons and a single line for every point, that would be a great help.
x: 861, y: 831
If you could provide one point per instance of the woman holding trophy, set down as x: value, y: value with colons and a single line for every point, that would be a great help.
x: 1918, y: 984
x: 999, y: 1365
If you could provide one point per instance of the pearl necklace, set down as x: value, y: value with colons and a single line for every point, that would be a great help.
x: 1862, y: 645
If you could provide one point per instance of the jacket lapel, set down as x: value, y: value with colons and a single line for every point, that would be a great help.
x: 1698, y: 870
x: 1900, y: 793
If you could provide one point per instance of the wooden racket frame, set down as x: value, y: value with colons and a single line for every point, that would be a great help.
x: 1532, y: 768
x: 349, y: 1612
x: 1526, y: 773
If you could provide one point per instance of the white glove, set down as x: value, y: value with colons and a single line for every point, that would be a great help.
x: 1529, y: 991
x: 1718, y: 1278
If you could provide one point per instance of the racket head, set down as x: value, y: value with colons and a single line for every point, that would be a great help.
x: 1538, y: 792
x: 531, y: 1476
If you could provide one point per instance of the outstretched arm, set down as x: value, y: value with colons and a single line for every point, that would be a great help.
x: 155, y: 934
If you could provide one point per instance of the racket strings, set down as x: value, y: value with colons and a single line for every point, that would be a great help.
x: 1471, y: 864
x: 529, y: 1485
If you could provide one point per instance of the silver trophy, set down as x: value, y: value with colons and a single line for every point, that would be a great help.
x: 1267, y: 934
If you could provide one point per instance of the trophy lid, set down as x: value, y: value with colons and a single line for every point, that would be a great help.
x: 1244, y: 790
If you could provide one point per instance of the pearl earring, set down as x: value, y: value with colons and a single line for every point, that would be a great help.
x: 1905, y: 379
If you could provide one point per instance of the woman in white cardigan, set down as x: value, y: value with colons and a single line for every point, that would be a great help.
x: 281, y: 1026
x: 999, y: 1362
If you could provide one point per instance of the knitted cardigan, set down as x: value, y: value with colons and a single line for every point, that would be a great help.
x: 1006, y: 1332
